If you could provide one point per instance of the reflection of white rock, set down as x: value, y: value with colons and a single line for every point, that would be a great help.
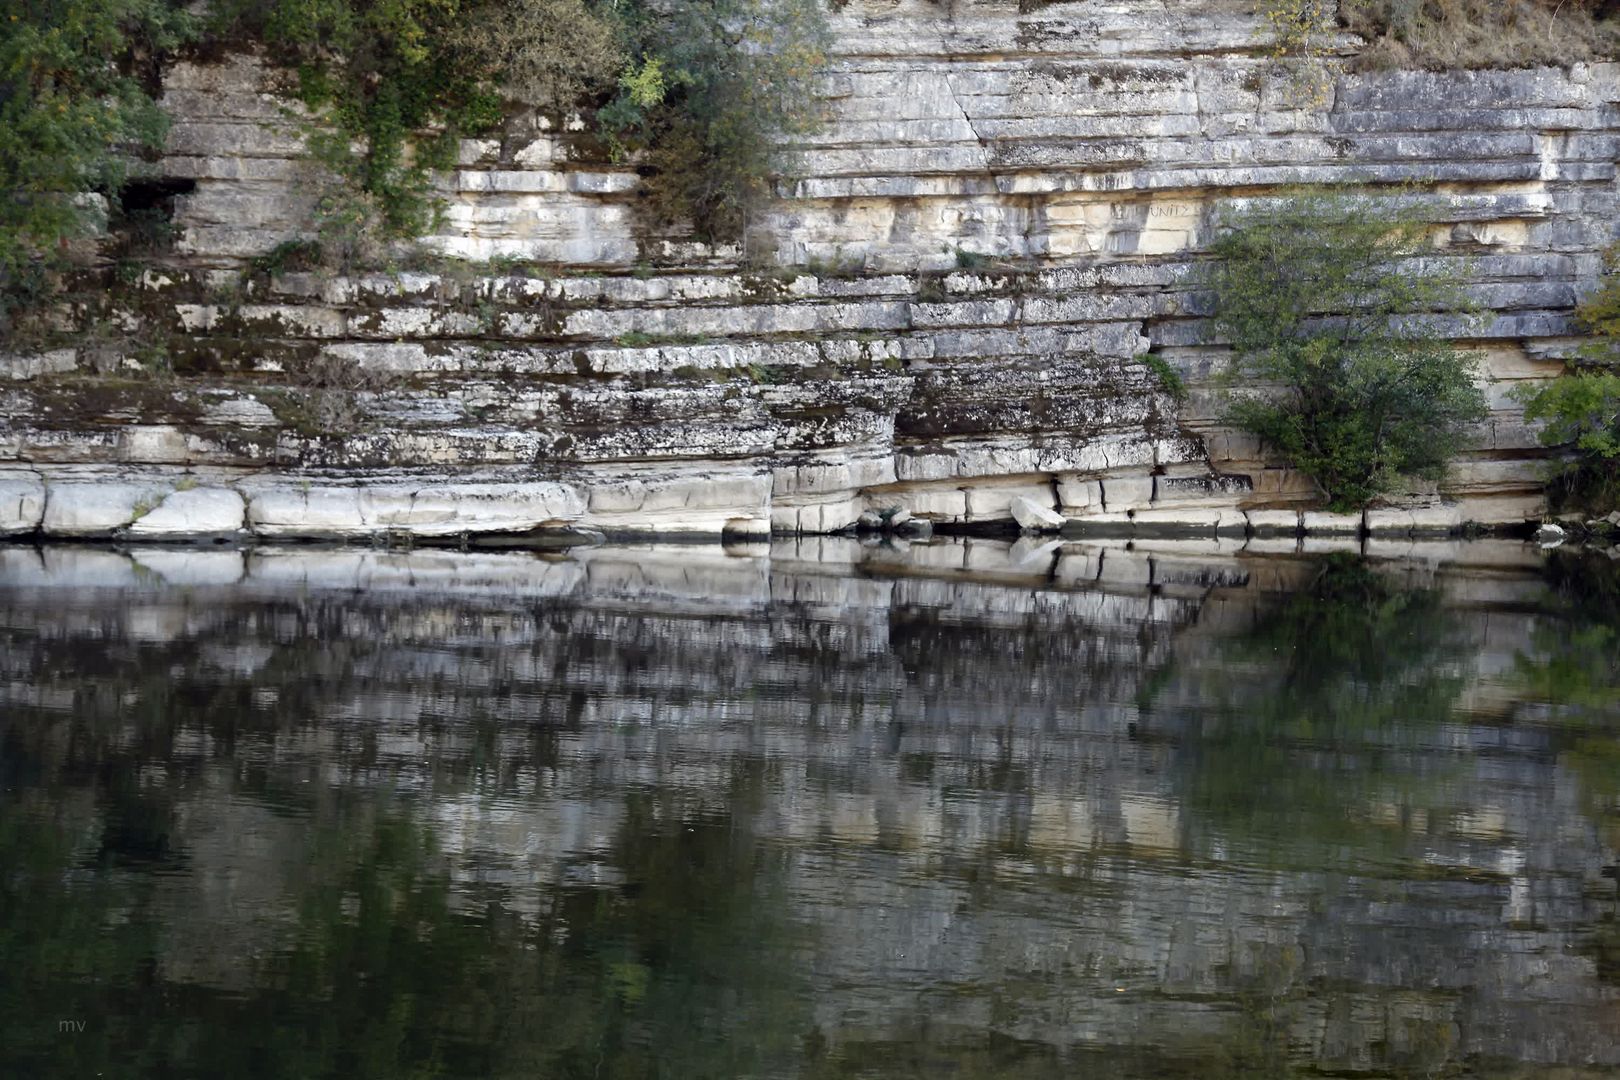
x: 1033, y: 556
x: 1151, y: 823
x: 1484, y: 822
x: 73, y: 567
x: 1062, y: 823
x: 979, y: 818
x: 519, y: 574
x: 192, y: 568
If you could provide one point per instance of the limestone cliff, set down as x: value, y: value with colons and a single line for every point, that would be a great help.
x: 970, y: 280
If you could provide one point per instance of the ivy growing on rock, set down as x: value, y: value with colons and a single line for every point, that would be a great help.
x: 1301, y: 33
x: 392, y: 86
x: 1324, y: 305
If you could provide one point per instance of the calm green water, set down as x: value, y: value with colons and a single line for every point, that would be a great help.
x: 813, y: 810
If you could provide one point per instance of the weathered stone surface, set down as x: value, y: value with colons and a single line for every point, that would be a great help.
x: 95, y: 508
x: 21, y: 366
x: 447, y: 509
x: 1323, y: 523
x: 290, y: 507
x: 1077, y: 494
x: 239, y: 412
x: 1273, y: 522
x: 1439, y: 519
x: 193, y: 512
x: 306, y: 511
x: 1126, y: 492
x: 1189, y: 521
x: 1101, y: 523
x: 22, y: 503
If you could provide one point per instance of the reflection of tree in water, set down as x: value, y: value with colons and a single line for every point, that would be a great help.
x: 659, y: 976
x: 1576, y: 669
x: 1312, y: 715
x: 683, y: 970
x: 1305, y: 745
x: 1577, y: 661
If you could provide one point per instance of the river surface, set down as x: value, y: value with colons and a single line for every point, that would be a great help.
x: 968, y: 809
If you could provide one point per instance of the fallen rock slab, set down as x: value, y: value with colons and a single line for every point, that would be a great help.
x: 1033, y: 517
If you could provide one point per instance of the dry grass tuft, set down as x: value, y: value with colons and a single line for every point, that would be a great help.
x: 1442, y: 34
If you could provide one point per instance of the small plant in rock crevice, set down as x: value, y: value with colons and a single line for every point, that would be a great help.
x: 1169, y: 379
x: 1301, y: 39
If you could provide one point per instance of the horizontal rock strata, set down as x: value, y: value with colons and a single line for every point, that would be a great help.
x: 981, y: 270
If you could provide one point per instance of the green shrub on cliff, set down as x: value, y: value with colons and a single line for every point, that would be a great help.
x: 1580, y: 412
x: 1317, y: 295
x: 698, y: 91
x: 73, y: 118
x: 395, y: 83
x: 718, y: 84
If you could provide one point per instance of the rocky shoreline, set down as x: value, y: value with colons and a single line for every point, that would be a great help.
x: 158, y: 506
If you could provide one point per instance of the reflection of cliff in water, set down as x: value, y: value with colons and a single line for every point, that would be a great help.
x: 964, y: 806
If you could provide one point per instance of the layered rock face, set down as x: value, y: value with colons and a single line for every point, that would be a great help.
x: 968, y: 295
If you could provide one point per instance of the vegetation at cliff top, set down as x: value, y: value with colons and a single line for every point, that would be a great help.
x: 1440, y: 34
x: 697, y: 93
x: 1323, y: 304
x: 1436, y: 35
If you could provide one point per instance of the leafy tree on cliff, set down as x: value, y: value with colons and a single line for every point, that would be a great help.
x: 1324, y: 304
x: 716, y: 86
x: 698, y: 92
x: 73, y: 117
